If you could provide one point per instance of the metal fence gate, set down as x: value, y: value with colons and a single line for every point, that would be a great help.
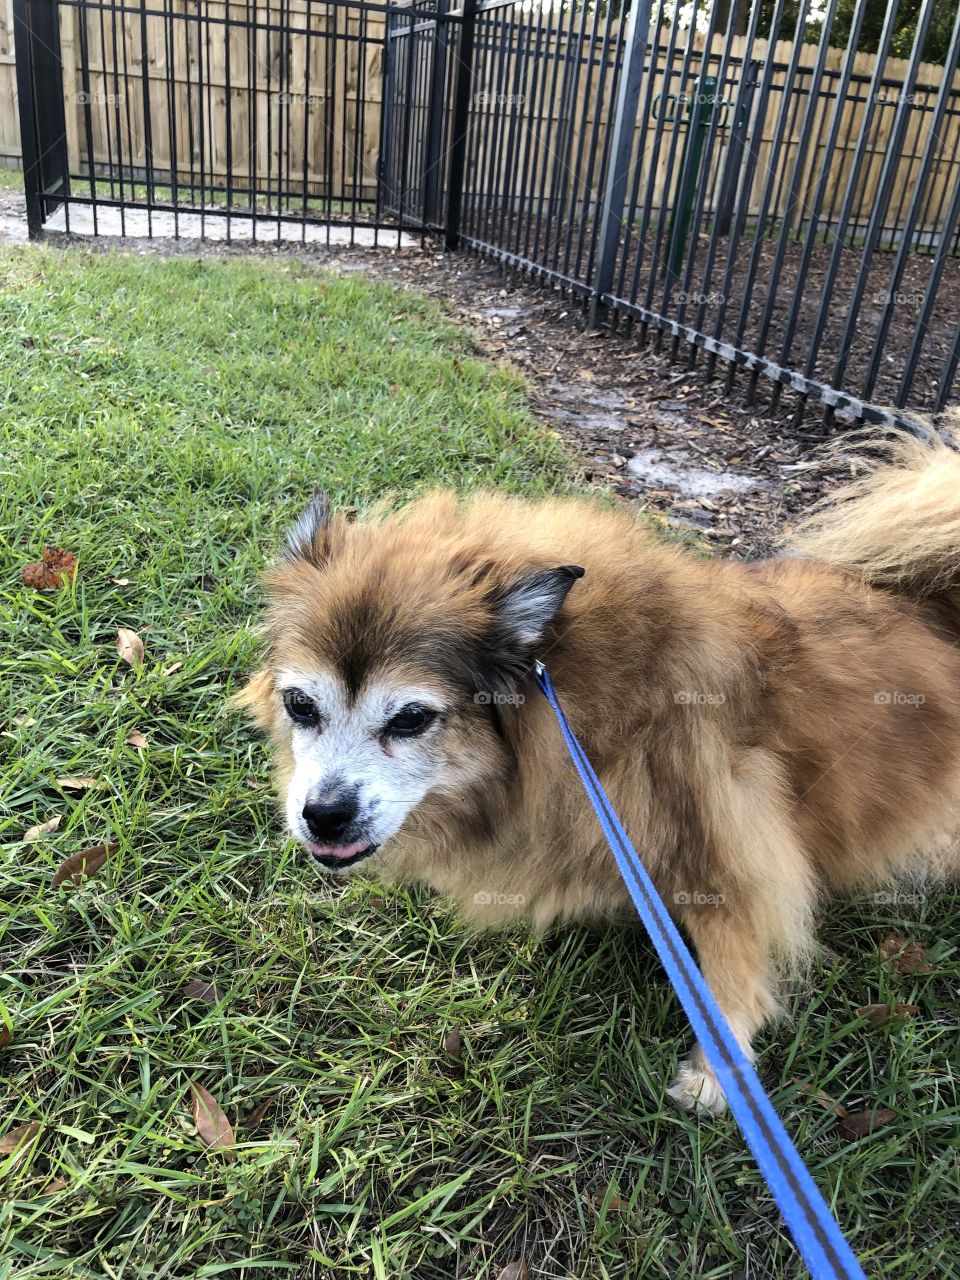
x: 223, y: 119
x: 765, y: 186
x: 419, y: 79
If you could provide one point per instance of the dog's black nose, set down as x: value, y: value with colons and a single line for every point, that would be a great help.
x: 329, y: 822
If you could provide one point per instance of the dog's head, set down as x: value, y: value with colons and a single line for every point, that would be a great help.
x: 397, y: 650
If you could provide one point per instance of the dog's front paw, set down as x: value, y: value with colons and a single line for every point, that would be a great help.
x: 696, y: 1088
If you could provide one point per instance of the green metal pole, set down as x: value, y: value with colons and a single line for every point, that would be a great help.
x: 699, y: 122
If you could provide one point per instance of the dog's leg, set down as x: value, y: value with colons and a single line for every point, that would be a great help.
x: 736, y: 958
x: 757, y: 926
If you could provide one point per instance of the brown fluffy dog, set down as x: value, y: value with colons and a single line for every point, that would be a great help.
x: 768, y: 732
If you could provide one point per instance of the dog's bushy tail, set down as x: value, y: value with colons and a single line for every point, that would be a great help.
x: 898, y: 523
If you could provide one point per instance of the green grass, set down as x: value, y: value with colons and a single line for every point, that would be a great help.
x: 163, y: 420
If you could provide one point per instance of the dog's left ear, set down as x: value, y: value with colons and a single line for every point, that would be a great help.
x: 527, y: 607
x: 307, y: 539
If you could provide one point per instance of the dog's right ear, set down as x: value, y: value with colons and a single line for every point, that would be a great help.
x: 307, y: 540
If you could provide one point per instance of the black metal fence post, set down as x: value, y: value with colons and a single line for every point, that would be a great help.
x: 610, y: 207
x: 43, y: 130
x: 433, y: 143
x: 387, y: 157
x: 735, y: 148
x: 458, y: 128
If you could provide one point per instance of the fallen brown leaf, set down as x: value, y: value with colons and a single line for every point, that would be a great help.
x: 54, y: 570
x: 42, y: 829
x: 53, y: 1186
x: 197, y: 989
x: 259, y: 1113
x: 891, y: 944
x: 614, y: 1204
x: 878, y: 1015
x: 212, y: 1125
x: 17, y: 1139
x: 136, y: 739
x: 818, y: 1095
x: 908, y: 957
x: 169, y: 671
x: 130, y: 647
x: 514, y: 1271
x: 84, y: 863
x: 857, y: 1124
x: 78, y: 782
x: 4, y: 1037
x: 913, y: 959
x: 453, y: 1044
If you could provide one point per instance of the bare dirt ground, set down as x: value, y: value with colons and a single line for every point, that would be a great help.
x: 795, y: 300
x: 653, y: 432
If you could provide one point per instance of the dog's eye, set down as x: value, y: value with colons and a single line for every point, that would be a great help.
x: 300, y: 708
x: 410, y: 721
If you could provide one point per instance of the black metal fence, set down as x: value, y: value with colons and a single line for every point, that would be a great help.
x: 257, y: 119
x: 797, y: 218
x: 785, y: 206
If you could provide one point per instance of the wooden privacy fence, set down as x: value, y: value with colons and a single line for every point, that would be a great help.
x: 9, y: 123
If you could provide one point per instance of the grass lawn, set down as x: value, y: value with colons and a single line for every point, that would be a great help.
x: 162, y: 420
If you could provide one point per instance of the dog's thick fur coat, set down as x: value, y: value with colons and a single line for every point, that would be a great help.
x: 768, y: 732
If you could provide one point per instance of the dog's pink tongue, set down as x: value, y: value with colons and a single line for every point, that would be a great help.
x: 339, y: 850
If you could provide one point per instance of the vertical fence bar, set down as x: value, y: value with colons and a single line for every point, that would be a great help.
x: 790, y: 87
x: 461, y: 118
x: 548, y: 170
x: 602, y: 156
x: 929, y: 300
x: 571, y: 76
x: 43, y: 130
x: 497, y: 171
x: 499, y: 225
x: 147, y: 120
x: 385, y: 166
x: 610, y: 206
x: 926, y: 168
x: 829, y: 151
x: 583, y: 180
x: 87, y: 112
x: 743, y: 209
x: 734, y: 175
x: 482, y: 148
x: 433, y: 143
x: 887, y: 176
x: 519, y: 222
x: 849, y: 195
x: 705, y: 95
x: 654, y: 151
x: 716, y: 115
x: 118, y: 118
x: 170, y: 35
x: 949, y: 371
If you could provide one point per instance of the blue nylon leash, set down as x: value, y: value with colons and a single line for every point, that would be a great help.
x: 812, y: 1225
